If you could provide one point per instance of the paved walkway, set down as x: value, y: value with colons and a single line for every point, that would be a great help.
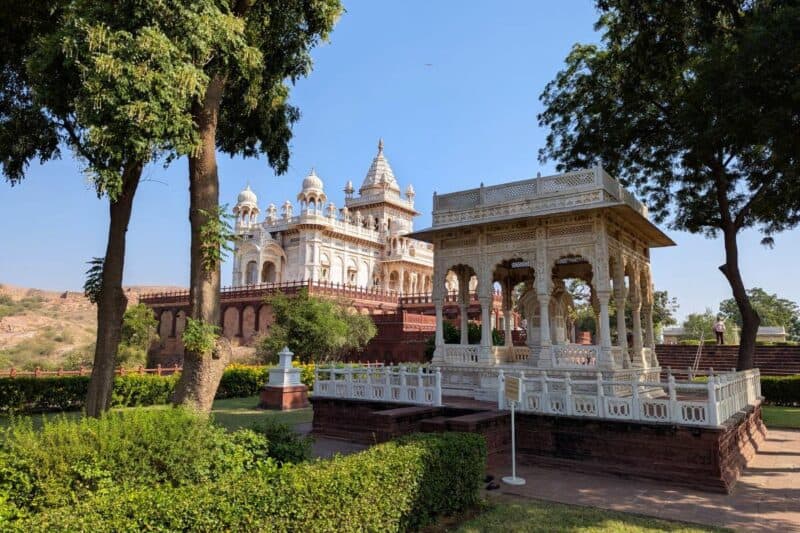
x: 766, y: 498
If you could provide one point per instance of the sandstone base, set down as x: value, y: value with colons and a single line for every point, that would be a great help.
x: 710, y: 459
x: 284, y: 398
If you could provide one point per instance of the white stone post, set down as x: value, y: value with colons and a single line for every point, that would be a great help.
x: 619, y: 300
x: 638, y: 353
x: 486, y: 328
x: 507, y: 314
x: 544, y: 319
x: 463, y: 307
x: 605, y: 330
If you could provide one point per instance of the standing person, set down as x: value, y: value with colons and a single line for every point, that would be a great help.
x: 719, y: 330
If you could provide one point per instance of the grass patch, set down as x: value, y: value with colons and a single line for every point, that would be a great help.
x: 781, y: 417
x: 533, y: 515
x: 11, y: 307
x: 232, y: 414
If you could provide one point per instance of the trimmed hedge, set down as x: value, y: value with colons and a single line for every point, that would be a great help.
x: 396, y: 486
x: 68, y: 460
x: 68, y: 393
x: 781, y: 390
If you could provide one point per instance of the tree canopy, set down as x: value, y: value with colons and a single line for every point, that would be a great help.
x: 773, y: 310
x: 315, y: 329
x: 697, y: 104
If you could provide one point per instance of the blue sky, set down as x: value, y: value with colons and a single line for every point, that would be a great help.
x: 453, y: 89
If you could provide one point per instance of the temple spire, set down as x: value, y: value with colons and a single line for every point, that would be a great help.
x: 380, y: 145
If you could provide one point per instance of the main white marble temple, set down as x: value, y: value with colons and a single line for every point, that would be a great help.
x: 364, y: 244
x: 526, y: 238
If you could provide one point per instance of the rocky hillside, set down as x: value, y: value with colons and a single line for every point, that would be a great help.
x: 49, y: 329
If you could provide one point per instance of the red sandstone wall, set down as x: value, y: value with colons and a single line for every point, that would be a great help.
x: 771, y: 360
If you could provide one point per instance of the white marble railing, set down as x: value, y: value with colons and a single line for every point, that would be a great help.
x: 395, y: 384
x: 460, y: 353
x: 694, y: 404
x: 570, y: 355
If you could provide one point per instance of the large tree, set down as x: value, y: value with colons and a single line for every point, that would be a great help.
x: 697, y: 103
x: 771, y: 308
x: 244, y: 111
x: 111, y: 81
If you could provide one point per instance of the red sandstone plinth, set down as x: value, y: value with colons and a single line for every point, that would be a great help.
x: 284, y: 398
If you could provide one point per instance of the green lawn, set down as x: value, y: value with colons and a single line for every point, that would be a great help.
x: 232, y: 414
x: 781, y: 417
x: 532, y: 516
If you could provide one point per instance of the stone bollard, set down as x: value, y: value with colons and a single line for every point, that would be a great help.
x: 284, y: 390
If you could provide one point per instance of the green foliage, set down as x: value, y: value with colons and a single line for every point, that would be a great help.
x: 139, y: 330
x: 773, y: 311
x: 284, y: 444
x: 781, y: 390
x: 700, y: 323
x: 93, y: 287
x: 68, y: 393
x: 452, y: 335
x: 67, y: 460
x: 216, y: 235
x: 315, y: 329
x: 396, y: 486
x: 199, y: 337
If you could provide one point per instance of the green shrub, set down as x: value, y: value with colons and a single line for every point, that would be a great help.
x: 133, y: 390
x: 396, y: 486
x: 781, y: 390
x: 239, y: 381
x: 284, y: 444
x: 68, y: 460
x: 68, y: 393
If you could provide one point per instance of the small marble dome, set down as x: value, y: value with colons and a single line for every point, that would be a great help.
x: 312, y: 181
x: 247, y: 196
x: 410, y: 192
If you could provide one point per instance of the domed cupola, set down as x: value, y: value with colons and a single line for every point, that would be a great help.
x: 246, y: 208
x: 313, y: 193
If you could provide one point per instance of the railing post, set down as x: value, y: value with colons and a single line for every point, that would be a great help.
x: 521, y: 401
x: 158, y: 369
x: 713, y: 411
x: 348, y: 376
x: 36, y: 372
x: 501, y: 385
x: 438, y: 391
x: 12, y: 373
x: 568, y: 393
x: 545, y: 393
x: 673, y: 399
x: 636, y: 404
x: 141, y: 370
x: 403, y: 396
x: 420, y: 387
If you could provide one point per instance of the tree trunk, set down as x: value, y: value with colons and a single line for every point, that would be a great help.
x: 202, y: 372
x: 750, y: 319
x: 112, y: 302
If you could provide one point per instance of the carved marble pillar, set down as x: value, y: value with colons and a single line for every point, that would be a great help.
x: 507, y: 313
x: 486, y: 328
x: 605, y: 331
x: 463, y: 307
x: 438, y: 303
x: 620, y: 295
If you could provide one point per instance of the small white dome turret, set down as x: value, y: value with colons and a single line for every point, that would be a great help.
x: 410, y: 192
x: 247, y: 196
x: 312, y: 193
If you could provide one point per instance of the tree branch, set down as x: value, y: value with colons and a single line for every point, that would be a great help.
x: 746, y: 208
x: 77, y: 143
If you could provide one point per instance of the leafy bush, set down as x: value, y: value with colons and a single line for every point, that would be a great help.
x: 781, y: 390
x: 199, y: 337
x: 396, y: 486
x: 67, y: 460
x: 284, y: 444
x: 65, y: 393
x: 239, y: 381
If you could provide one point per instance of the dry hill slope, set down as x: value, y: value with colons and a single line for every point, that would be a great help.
x: 49, y: 329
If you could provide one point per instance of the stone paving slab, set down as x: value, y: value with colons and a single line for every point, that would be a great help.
x: 766, y: 498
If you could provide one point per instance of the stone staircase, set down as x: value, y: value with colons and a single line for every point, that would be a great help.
x: 771, y: 360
